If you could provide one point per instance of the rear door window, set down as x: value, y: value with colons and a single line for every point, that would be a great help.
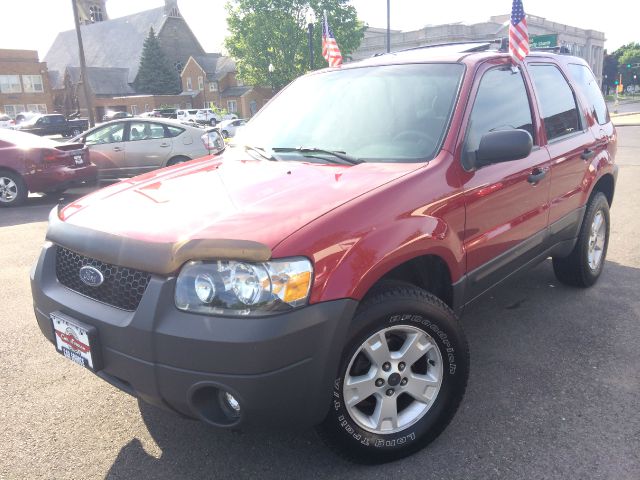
x: 557, y: 101
x: 589, y: 86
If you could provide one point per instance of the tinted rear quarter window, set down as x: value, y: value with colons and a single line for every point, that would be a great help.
x: 588, y: 85
x: 557, y: 101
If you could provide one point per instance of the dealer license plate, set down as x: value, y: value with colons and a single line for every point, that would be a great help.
x: 75, y: 340
x: 78, y: 159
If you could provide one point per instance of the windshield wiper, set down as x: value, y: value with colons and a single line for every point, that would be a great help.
x: 261, y: 151
x: 348, y: 159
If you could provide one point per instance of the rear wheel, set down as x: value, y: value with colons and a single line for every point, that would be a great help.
x: 213, y: 122
x: 585, y: 263
x: 13, y: 190
x: 224, y: 134
x: 401, y: 378
x: 176, y: 161
x: 75, y: 132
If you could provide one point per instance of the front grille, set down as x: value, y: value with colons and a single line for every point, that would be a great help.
x: 122, y: 287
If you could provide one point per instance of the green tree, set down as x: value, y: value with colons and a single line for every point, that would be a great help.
x: 156, y: 76
x: 628, y: 62
x: 264, y: 32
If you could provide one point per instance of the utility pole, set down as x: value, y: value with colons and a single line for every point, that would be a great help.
x: 83, y: 65
x: 388, y: 26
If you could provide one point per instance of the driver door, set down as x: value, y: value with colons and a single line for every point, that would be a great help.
x: 507, y: 204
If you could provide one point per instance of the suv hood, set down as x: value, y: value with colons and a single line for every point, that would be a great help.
x: 226, y: 198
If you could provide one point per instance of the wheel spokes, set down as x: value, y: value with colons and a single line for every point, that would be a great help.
x: 385, y: 416
x: 377, y: 349
x: 356, y: 389
x: 416, y: 345
x: 422, y: 387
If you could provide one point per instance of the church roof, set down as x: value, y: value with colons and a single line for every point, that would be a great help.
x: 112, y: 43
x: 215, y: 65
x: 104, y: 81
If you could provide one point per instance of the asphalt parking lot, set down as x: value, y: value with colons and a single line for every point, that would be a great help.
x: 554, y: 390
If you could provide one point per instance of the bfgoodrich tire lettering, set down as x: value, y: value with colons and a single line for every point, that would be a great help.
x: 583, y: 266
x: 390, y: 312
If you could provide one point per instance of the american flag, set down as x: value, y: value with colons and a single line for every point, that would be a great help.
x: 518, y: 32
x: 330, y: 50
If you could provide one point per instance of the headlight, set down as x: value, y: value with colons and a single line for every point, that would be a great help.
x: 226, y: 287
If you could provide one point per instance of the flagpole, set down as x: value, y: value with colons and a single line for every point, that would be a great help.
x: 388, y: 26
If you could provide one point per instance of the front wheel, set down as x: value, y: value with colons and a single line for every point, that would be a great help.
x: 13, y: 190
x: 213, y: 122
x: 401, y: 379
x: 583, y: 266
x: 75, y: 132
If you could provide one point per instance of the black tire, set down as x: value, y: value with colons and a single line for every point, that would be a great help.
x: 177, y: 160
x: 213, y: 122
x: 75, y: 132
x: 224, y: 134
x: 16, y: 189
x: 575, y: 270
x: 397, y: 307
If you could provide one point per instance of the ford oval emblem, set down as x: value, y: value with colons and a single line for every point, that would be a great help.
x: 91, y: 276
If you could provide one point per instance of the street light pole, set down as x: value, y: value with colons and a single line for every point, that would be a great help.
x: 83, y: 64
x: 310, y: 22
x: 388, y: 26
x: 271, y: 69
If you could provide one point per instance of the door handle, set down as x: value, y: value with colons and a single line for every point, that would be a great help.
x: 536, y: 175
x: 117, y: 149
x: 587, y: 154
x: 165, y: 145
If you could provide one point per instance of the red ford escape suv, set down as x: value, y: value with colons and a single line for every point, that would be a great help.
x: 312, y: 274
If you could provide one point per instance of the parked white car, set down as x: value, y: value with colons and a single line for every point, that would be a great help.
x: 207, y: 115
x: 7, y: 122
x: 228, y: 128
x: 187, y: 115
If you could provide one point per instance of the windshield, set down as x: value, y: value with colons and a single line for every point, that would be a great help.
x: 395, y: 113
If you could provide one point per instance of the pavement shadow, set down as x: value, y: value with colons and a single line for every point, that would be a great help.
x: 35, y: 209
x: 546, y: 399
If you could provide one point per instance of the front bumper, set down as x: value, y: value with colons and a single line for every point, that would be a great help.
x: 280, y: 368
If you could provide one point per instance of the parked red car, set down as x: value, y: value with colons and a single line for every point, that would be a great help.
x: 29, y: 163
x: 313, y: 274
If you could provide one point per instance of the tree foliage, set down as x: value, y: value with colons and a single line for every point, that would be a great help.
x: 264, y: 32
x: 628, y: 55
x: 156, y: 75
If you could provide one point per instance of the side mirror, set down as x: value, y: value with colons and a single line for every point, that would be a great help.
x: 503, y: 146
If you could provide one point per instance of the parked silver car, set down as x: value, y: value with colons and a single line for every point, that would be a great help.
x: 129, y: 147
x: 228, y: 128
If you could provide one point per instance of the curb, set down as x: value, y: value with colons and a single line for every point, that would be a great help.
x: 626, y: 125
x: 624, y: 114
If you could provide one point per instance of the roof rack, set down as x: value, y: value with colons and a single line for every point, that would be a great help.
x: 500, y: 44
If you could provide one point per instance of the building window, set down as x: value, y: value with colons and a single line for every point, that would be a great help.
x: 253, y: 107
x: 134, y: 109
x: 32, y: 83
x: 95, y: 12
x: 232, y: 106
x: 239, y: 82
x: 200, y: 83
x: 37, y: 108
x: 10, y: 84
x: 178, y: 66
x: 13, y: 110
x: 174, y: 12
x: 213, y: 86
x: 189, y: 84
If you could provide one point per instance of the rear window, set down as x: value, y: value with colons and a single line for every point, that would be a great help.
x: 589, y: 87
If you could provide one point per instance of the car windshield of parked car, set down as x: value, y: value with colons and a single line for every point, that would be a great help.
x: 394, y: 113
